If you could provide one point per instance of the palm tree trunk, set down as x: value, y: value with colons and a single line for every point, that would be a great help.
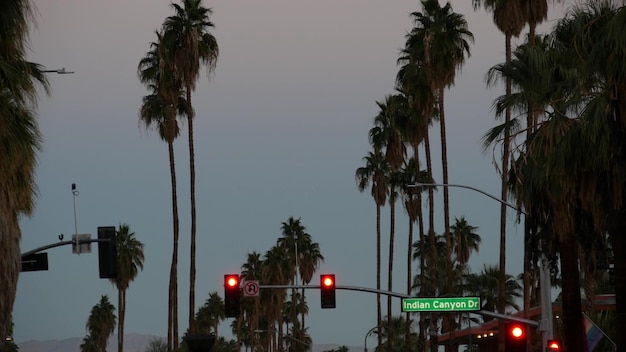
x: 256, y: 319
x: 172, y: 333
x: 446, y: 201
x: 448, y: 324
x: 279, y: 311
x: 120, y: 321
x: 390, y: 332
x: 302, y: 315
x: 192, y: 183
x: 431, y: 239
x: 503, y: 196
x: 422, y: 238
x: 422, y: 328
x: 10, y: 263
x: 407, y: 327
x: 378, y: 245
x: 531, y: 122
x: 572, y: 317
x: 526, y: 273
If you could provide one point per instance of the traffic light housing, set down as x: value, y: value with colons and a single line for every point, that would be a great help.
x: 232, y: 295
x: 200, y: 342
x: 107, y: 252
x: 554, y: 346
x: 327, y: 290
x: 516, y: 338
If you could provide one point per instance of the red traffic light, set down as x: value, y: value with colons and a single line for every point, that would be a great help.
x: 231, y: 281
x: 328, y: 280
x: 516, y: 337
x: 554, y: 346
x: 517, y: 332
x: 327, y: 290
x: 232, y: 295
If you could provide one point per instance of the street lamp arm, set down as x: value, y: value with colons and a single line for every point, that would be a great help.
x: 369, y: 333
x: 417, y: 184
x: 60, y: 71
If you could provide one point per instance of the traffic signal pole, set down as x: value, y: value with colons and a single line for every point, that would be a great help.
x: 499, y: 316
x: 340, y: 287
x: 62, y: 243
x: 107, y: 252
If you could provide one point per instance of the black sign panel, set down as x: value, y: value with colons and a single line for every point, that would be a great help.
x: 35, y: 262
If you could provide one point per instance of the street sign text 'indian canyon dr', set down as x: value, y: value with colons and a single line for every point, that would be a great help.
x: 441, y: 304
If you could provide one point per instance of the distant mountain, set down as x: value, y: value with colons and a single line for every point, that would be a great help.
x: 132, y: 343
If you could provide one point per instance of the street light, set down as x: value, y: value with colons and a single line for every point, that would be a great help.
x: 420, y: 184
x: 60, y: 71
x: 369, y: 333
x: 545, y: 325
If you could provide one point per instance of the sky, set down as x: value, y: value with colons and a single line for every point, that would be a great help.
x: 280, y: 129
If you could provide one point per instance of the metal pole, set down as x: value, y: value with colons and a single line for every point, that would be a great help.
x: 74, y: 195
x: 418, y: 184
x: 469, y: 327
x: 546, y: 301
x: 60, y: 71
x: 62, y: 243
x: 366, y: 335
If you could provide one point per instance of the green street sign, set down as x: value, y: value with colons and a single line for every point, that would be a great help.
x: 441, y: 304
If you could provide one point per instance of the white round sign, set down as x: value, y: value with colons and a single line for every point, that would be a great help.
x: 251, y: 288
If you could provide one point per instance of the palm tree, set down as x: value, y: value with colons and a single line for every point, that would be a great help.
x: 276, y: 270
x: 130, y: 260
x: 252, y: 270
x: 159, y: 110
x: 391, y: 335
x: 415, y: 85
x: 510, y: 17
x: 294, y: 237
x: 444, y: 37
x: 89, y: 345
x: 530, y: 72
x: 101, y: 323
x: 20, y: 140
x: 412, y: 204
x: 464, y: 239
x: 190, y: 45
x: 215, y: 310
x: 536, y: 11
x: 572, y: 164
x: 386, y: 135
x: 486, y: 286
x: 375, y: 172
x: 310, y: 260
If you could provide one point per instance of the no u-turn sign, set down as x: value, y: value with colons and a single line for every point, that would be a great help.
x: 251, y: 288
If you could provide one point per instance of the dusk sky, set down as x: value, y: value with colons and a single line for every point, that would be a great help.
x: 280, y: 129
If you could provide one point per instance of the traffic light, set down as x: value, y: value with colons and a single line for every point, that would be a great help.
x: 516, y: 337
x: 327, y: 290
x: 232, y: 295
x: 107, y: 252
x: 200, y: 342
x: 554, y: 346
